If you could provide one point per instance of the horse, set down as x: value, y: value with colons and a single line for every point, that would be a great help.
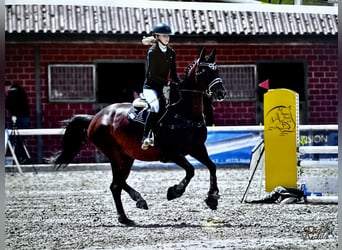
x: 180, y: 131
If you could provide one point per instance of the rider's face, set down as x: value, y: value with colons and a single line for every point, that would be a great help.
x: 7, y: 88
x: 164, y: 38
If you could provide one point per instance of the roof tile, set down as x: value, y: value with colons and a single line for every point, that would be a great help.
x: 129, y: 20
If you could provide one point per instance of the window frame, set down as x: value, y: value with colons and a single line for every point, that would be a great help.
x: 249, y: 91
x: 90, y: 98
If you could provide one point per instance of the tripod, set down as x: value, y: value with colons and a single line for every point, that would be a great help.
x: 257, y: 156
x: 18, y: 145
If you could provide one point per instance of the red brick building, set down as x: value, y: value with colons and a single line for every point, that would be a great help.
x: 295, y: 50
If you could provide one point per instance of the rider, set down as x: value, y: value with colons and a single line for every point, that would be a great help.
x: 161, y: 63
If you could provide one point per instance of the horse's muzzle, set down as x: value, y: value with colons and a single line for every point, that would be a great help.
x: 220, y: 95
x: 217, y: 89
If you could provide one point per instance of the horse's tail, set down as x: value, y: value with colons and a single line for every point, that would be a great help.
x: 75, y: 136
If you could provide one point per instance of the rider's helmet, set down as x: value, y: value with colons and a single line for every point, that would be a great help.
x: 161, y: 28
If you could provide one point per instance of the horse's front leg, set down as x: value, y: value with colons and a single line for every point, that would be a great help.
x: 136, y: 196
x: 213, y: 194
x: 178, y: 189
x: 201, y: 154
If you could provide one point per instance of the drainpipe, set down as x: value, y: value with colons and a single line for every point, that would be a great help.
x: 38, y: 102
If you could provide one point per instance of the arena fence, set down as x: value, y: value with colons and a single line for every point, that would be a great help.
x: 318, y: 184
x: 259, y: 129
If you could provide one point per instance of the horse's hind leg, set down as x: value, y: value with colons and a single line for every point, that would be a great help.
x: 121, y: 169
x: 127, y: 163
x: 116, y: 188
x: 201, y: 154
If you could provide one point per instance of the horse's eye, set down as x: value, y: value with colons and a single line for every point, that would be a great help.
x: 200, y: 72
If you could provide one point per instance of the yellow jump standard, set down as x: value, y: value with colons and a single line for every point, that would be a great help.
x: 281, y: 118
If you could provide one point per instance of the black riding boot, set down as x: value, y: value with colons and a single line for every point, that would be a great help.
x: 148, y: 138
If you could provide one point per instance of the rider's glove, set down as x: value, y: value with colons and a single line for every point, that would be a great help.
x: 175, y: 84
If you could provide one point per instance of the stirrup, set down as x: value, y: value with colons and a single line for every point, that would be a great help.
x: 145, y: 144
x: 148, y: 141
x: 151, y: 138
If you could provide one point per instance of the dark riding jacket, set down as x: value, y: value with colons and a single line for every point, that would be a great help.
x: 16, y: 102
x: 17, y: 105
x: 160, y: 65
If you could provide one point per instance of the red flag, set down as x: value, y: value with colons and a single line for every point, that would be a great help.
x: 264, y: 84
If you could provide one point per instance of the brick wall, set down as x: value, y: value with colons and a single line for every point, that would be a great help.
x: 321, y: 63
x: 322, y: 79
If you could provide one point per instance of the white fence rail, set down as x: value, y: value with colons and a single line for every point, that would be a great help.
x: 318, y: 149
x: 40, y: 131
x: 60, y: 131
x: 302, y: 149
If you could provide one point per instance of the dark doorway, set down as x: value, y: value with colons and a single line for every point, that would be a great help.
x: 117, y: 81
x: 283, y: 74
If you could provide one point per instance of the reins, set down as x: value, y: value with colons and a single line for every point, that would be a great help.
x: 181, y: 97
x: 192, y: 91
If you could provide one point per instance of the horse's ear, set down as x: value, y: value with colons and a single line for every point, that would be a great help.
x: 213, y: 54
x: 202, y: 54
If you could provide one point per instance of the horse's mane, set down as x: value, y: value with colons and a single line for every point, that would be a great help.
x: 188, y: 69
x: 191, y: 67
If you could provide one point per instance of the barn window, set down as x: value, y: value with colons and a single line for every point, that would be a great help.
x: 239, y: 81
x: 71, y: 82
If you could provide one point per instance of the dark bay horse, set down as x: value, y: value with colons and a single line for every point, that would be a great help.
x: 181, y: 131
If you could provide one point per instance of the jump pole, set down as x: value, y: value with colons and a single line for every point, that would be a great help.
x: 281, y: 137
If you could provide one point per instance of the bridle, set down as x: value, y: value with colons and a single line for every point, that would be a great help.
x: 213, y: 83
x: 187, y: 122
x: 212, y: 66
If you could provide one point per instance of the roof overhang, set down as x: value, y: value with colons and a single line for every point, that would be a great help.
x: 187, y: 5
x: 110, y: 20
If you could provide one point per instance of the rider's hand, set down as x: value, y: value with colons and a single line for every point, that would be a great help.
x: 175, y: 84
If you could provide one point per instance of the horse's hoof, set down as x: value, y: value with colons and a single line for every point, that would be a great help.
x: 142, y: 204
x: 174, y: 192
x: 124, y: 220
x: 212, y: 201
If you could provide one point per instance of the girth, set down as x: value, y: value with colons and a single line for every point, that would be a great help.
x: 186, y: 123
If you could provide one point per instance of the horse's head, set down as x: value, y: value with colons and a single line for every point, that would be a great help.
x: 207, y: 75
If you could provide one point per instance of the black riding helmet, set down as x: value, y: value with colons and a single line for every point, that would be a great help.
x: 161, y: 28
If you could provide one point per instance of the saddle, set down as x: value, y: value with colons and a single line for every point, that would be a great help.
x: 141, y: 108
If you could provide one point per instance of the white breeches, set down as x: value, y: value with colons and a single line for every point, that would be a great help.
x: 152, y: 98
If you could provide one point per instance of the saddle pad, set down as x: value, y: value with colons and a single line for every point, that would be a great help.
x: 137, y: 115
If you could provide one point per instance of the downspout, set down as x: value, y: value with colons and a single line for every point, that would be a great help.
x: 38, y: 102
